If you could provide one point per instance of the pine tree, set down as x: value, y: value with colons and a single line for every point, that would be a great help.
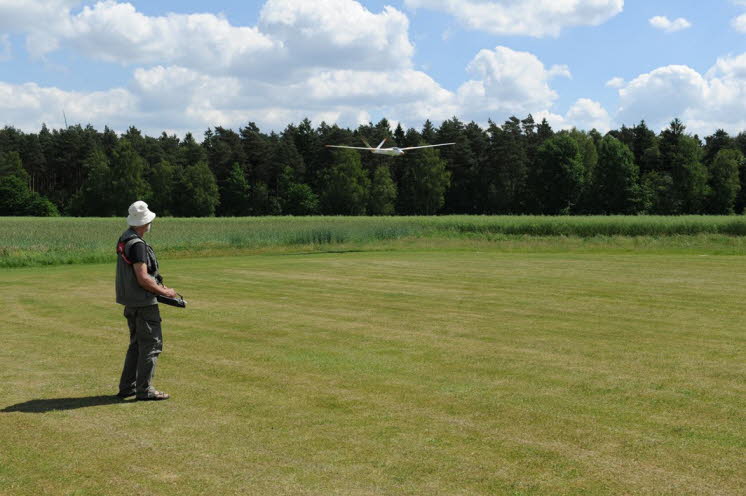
x: 462, y: 163
x: 309, y: 145
x: 720, y: 140
x: 190, y: 152
x: 286, y: 155
x: 399, y: 135
x: 127, y: 177
x: 260, y: 200
x: 504, y: 174
x: 98, y: 195
x: 32, y: 157
x: 428, y: 132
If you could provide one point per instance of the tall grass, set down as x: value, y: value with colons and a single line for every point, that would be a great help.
x: 50, y: 241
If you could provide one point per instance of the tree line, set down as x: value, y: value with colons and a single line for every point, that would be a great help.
x: 519, y: 167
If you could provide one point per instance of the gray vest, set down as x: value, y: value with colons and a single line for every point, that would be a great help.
x: 129, y: 291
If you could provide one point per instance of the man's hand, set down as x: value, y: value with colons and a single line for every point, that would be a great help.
x: 149, y: 284
x: 169, y: 292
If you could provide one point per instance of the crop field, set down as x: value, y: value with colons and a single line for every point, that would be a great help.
x: 28, y: 241
x: 439, y: 360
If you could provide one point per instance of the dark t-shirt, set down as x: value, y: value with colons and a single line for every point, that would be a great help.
x: 138, y: 253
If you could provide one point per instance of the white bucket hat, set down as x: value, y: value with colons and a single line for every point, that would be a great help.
x: 139, y: 214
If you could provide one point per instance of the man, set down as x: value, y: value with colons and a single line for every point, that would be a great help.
x: 137, y: 284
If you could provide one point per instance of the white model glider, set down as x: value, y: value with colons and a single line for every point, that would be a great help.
x: 393, y: 151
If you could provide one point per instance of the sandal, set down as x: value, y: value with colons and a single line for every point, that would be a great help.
x: 154, y: 396
x: 125, y: 394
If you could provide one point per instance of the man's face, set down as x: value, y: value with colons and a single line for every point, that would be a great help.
x: 147, y: 228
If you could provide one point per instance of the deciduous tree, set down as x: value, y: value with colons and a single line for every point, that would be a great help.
x: 344, y: 185
x: 724, y: 181
x: 616, y: 179
x: 197, y: 192
x: 382, y: 199
x: 558, y: 177
x: 423, y: 183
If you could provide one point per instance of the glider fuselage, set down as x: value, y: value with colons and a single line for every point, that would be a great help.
x: 391, y: 152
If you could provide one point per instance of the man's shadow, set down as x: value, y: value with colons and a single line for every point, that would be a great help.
x: 43, y: 406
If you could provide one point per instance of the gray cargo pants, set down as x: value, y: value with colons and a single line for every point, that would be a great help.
x: 146, y: 343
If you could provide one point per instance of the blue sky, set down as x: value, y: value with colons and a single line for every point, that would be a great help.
x: 159, y: 66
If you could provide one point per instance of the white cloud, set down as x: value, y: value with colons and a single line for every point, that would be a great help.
x: 615, y: 82
x: 370, y: 87
x: 324, y: 59
x: 706, y: 102
x: 536, y: 18
x: 39, y: 20
x: 560, y: 70
x: 116, y: 32
x: 588, y: 114
x: 22, y: 15
x: 28, y: 105
x: 731, y: 67
x: 557, y: 121
x: 330, y: 60
x: 339, y: 33
x: 291, y: 36
x: 179, y: 98
x: 584, y: 114
x: 163, y: 88
x: 665, y: 24
x: 739, y: 23
x: 508, y: 82
x: 661, y: 95
x: 341, y: 96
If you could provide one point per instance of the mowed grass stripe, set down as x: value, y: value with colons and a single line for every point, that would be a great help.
x: 389, y: 373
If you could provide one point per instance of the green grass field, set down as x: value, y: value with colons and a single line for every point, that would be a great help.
x: 426, y: 367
